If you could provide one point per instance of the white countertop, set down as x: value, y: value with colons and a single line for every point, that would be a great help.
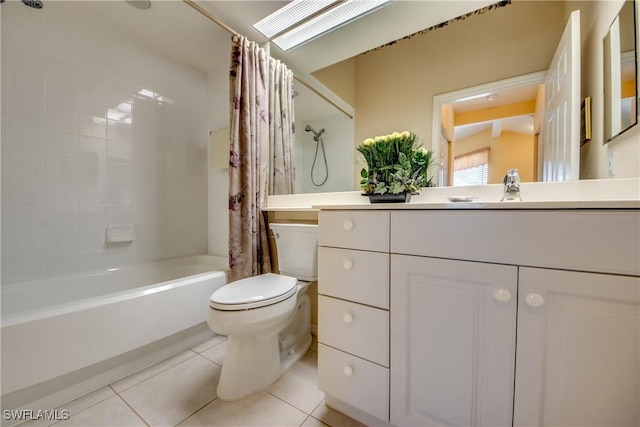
x: 585, y: 194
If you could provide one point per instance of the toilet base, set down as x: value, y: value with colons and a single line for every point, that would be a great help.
x: 241, y: 376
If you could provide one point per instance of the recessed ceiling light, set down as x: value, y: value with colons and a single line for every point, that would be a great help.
x: 140, y: 4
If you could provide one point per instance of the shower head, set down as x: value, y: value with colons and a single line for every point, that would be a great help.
x: 316, y: 135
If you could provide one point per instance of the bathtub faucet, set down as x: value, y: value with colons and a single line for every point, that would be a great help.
x: 511, y: 185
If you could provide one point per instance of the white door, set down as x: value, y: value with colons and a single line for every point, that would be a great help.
x: 452, y: 342
x: 561, y: 130
x: 577, y: 360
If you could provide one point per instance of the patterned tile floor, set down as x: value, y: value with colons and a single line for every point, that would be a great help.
x: 181, y: 391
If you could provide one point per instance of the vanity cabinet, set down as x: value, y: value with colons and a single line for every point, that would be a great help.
x: 453, y: 340
x: 578, y: 344
x: 353, y: 311
x: 497, y: 318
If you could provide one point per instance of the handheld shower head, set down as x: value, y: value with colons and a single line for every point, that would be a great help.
x: 316, y: 135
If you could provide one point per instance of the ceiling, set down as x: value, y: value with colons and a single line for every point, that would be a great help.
x: 174, y: 29
x: 179, y: 31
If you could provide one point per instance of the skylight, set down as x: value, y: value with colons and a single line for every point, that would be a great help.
x: 300, y: 25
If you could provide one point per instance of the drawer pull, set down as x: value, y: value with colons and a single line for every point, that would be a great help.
x: 534, y: 300
x: 348, y: 370
x: 348, y: 224
x: 347, y: 317
x: 347, y: 264
x: 502, y: 295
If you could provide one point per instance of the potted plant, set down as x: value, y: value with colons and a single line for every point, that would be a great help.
x: 396, y: 167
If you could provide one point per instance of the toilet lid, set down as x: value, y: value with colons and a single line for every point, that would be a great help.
x: 254, y: 292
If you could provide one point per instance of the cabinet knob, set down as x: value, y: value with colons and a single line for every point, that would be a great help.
x: 348, y: 224
x: 534, y: 300
x: 502, y: 295
x: 347, y: 264
x: 348, y: 370
x: 347, y: 317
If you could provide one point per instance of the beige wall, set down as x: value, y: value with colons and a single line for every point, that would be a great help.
x: 595, y: 19
x: 509, y: 150
x: 341, y: 79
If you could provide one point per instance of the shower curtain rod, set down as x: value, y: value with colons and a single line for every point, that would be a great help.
x: 231, y: 31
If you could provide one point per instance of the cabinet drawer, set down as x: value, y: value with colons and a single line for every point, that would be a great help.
x: 354, y: 275
x: 522, y: 237
x: 354, y: 230
x: 354, y: 328
x: 361, y: 384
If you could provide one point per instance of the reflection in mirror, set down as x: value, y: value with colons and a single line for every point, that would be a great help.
x: 620, y: 85
x: 324, y: 153
x: 491, y: 128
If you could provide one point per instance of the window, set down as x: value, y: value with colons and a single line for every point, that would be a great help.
x: 471, y: 168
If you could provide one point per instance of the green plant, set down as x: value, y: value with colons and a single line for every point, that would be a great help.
x: 395, y: 164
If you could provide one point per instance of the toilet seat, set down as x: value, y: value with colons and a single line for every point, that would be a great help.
x: 254, y: 292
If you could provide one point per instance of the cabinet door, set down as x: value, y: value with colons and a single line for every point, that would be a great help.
x: 452, y: 342
x: 578, y: 347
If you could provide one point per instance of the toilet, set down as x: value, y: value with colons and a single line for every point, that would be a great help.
x: 267, y: 318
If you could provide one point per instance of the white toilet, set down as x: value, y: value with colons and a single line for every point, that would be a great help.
x: 267, y: 318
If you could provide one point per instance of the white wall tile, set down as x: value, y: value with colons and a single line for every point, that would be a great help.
x: 28, y: 164
x: 62, y: 168
x: 118, y: 152
x: 118, y: 131
x: 92, y: 126
x: 25, y: 190
x: 65, y: 143
x: 62, y: 240
x: 65, y: 192
x: 62, y: 215
x: 68, y: 172
x: 25, y: 135
x: 92, y: 148
x: 92, y: 95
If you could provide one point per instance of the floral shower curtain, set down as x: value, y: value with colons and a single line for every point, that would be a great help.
x: 249, y: 159
x: 262, y: 133
x: 282, y: 130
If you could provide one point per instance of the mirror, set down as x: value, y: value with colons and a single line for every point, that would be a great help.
x: 620, y: 74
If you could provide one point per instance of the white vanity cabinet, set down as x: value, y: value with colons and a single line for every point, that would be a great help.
x: 453, y: 340
x: 576, y: 347
x: 496, y: 318
x: 578, y: 344
x: 353, y: 312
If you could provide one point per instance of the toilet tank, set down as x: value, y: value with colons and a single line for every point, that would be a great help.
x: 297, y: 246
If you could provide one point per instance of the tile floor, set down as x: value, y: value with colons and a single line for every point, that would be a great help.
x: 181, y: 391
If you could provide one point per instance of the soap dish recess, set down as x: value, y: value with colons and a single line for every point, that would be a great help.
x: 120, y: 233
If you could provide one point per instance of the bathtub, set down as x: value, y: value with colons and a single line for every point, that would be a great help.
x: 59, y: 332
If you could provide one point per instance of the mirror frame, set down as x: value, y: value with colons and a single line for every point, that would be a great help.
x: 612, y: 62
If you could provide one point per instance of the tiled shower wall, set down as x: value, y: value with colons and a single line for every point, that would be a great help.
x: 96, y: 130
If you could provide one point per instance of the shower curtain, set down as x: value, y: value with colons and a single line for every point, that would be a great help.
x: 261, y: 91
x: 281, y: 129
x: 248, y: 159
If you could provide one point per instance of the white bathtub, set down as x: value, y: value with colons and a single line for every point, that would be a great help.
x: 59, y: 328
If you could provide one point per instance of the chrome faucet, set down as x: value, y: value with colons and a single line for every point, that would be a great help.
x: 511, y: 184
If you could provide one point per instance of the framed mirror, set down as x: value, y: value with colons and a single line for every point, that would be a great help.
x: 620, y: 73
